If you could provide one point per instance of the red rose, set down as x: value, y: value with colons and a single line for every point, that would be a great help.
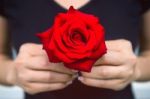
x: 76, y: 39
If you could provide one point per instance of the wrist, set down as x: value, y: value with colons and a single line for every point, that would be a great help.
x: 138, y: 70
x: 10, y: 77
x: 7, y: 71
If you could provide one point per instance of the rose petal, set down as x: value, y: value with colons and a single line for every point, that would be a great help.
x: 45, y: 37
x: 82, y: 65
x: 60, y: 20
x: 100, y: 51
x: 71, y: 10
x: 52, y: 57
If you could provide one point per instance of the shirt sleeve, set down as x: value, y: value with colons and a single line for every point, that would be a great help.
x: 145, y: 5
x: 1, y: 7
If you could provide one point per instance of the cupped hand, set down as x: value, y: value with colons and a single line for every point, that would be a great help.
x: 115, y: 70
x: 34, y: 73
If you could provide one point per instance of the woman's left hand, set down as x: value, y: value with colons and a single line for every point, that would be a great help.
x: 115, y: 70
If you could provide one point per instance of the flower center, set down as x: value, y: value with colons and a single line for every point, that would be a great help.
x: 78, y: 38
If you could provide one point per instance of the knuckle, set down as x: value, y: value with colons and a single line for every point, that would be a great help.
x: 22, y: 80
x: 27, y: 87
x: 126, y: 42
x: 43, y: 62
x: 22, y: 74
x: 49, y: 76
x: 133, y: 58
x: 31, y: 90
x: 24, y: 46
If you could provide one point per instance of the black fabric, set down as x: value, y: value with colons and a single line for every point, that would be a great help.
x: 120, y: 19
x: 145, y: 5
x: 80, y: 91
x: 1, y: 7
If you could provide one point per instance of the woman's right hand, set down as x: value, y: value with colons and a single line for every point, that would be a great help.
x: 34, y: 73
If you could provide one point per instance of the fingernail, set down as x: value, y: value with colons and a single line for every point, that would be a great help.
x: 80, y: 78
x: 75, y: 76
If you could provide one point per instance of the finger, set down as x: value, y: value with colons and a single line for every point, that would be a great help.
x: 119, y: 45
x: 42, y: 63
x: 32, y: 49
x: 111, y: 58
x: 48, y: 77
x: 40, y: 87
x: 108, y: 84
x: 59, y: 67
x: 105, y: 73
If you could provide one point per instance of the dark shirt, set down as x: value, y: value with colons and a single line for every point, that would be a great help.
x: 120, y: 19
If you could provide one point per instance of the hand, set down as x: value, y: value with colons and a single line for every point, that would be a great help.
x: 34, y: 73
x: 115, y: 70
